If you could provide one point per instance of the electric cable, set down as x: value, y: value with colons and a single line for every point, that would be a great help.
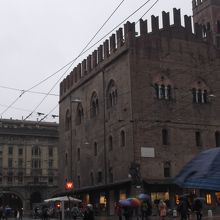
x: 84, y: 49
x: 70, y: 63
x: 22, y: 90
x: 77, y: 57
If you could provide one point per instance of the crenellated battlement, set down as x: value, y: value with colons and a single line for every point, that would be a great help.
x: 197, y: 3
x: 125, y: 38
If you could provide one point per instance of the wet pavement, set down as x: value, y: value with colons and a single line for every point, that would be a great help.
x: 193, y: 217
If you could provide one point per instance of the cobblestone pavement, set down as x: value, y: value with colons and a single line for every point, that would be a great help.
x: 157, y: 218
x: 216, y: 217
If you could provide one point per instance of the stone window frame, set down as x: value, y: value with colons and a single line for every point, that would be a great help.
x: 167, y: 169
x: 79, y: 114
x: 94, y: 105
x: 217, y: 138
x: 36, y: 151
x: 110, y: 143
x: 122, y: 138
x: 200, y: 92
x: 95, y: 148
x: 99, y: 176
x: 163, y: 88
x: 110, y: 175
x: 165, y: 136
x: 198, y: 138
x: 112, y: 94
x: 67, y: 120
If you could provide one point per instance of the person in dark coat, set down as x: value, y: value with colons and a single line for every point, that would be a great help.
x: 197, y: 207
x: 183, y: 208
x: 89, y: 214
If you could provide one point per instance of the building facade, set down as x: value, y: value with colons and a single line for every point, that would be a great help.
x: 138, y: 109
x: 206, y: 13
x: 28, y: 162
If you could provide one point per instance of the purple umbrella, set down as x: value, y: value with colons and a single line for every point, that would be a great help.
x: 125, y: 202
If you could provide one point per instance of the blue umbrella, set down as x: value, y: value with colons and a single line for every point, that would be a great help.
x: 143, y: 196
x: 202, y: 172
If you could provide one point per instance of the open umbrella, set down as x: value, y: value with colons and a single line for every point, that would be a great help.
x: 202, y: 172
x: 124, y: 202
x: 134, y: 202
x: 143, y: 196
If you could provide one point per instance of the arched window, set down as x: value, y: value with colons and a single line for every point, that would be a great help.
x: 110, y: 175
x: 162, y: 91
x: 95, y: 149
x: 168, y: 92
x: 163, y: 88
x: 112, y: 94
x: 165, y: 137
x: 67, y: 120
x: 200, y: 92
x: 78, y: 154
x: 167, y: 169
x: 110, y: 143
x: 122, y: 138
x: 217, y: 139
x: 157, y: 90
x: 94, y: 106
x: 79, y: 114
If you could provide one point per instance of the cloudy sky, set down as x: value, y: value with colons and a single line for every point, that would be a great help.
x: 40, y: 37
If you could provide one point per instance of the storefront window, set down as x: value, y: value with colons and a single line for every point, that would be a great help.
x: 217, y: 194
x: 208, y: 199
x: 87, y: 198
x: 122, y: 195
x: 102, y: 202
x: 157, y: 196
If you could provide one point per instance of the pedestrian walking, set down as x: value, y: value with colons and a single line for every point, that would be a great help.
x: 75, y: 212
x: 197, y: 208
x: 146, y: 209
x: 126, y: 212
x: 183, y: 208
x: 89, y: 214
x: 21, y: 213
x: 118, y: 211
x: 162, y: 209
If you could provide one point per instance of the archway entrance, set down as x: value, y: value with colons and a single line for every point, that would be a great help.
x: 35, y: 199
x: 11, y: 200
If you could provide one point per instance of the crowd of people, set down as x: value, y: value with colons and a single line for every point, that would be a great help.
x: 138, y: 212
x: 77, y: 211
x: 142, y: 212
x: 185, y: 208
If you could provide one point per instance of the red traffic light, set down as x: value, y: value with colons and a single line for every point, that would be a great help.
x: 69, y: 185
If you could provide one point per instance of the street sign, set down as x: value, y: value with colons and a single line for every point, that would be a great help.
x: 69, y: 185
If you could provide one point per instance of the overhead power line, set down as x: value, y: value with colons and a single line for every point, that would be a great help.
x: 83, y: 50
x: 24, y: 91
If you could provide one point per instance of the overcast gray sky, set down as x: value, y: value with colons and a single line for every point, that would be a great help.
x: 38, y: 37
